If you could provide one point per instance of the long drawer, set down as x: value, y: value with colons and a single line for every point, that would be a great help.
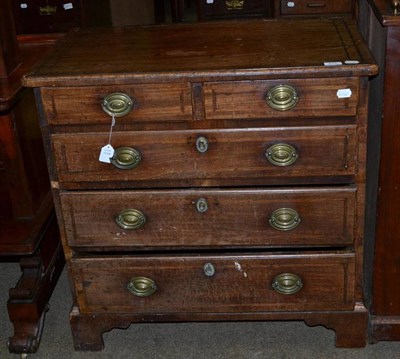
x: 185, y: 102
x: 315, y: 7
x: 292, y: 217
x: 209, y: 157
x: 229, y: 283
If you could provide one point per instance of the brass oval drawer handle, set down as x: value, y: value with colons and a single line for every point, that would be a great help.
x: 142, y: 286
x: 130, y: 219
x: 287, y: 283
x: 282, y: 97
x: 281, y: 154
x: 126, y: 158
x: 284, y: 219
x: 202, y: 144
x: 117, y: 104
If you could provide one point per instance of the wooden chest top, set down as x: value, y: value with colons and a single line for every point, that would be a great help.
x: 239, y: 50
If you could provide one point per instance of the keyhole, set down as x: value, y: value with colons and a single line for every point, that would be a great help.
x: 209, y: 269
x: 202, y: 144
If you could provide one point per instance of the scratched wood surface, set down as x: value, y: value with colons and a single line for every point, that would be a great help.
x: 223, y: 49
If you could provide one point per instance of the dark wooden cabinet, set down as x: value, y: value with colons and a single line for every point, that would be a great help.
x: 227, y: 148
x: 57, y: 16
x: 46, y: 16
x: 381, y: 28
x: 28, y: 228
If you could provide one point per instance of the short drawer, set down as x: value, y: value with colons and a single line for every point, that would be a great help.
x: 230, y: 9
x: 149, y: 103
x: 126, y: 220
x: 281, y: 98
x: 315, y: 7
x: 229, y: 283
x: 208, y: 158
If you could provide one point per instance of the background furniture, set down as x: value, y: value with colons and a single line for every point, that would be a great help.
x: 49, y: 16
x: 57, y: 16
x: 285, y: 8
x: 178, y: 10
x: 381, y: 27
x: 133, y: 12
x: 28, y: 228
x: 229, y: 9
x: 232, y: 9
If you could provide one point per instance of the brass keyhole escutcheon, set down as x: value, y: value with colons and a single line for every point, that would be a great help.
x: 202, y: 144
x: 209, y: 269
x: 117, y: 104
x: 130, y: 219
x: 126, y: 158
x: 281, y: 155
x: 142, y: 286
x: 287, y: 283
x: 202, y: 205
x: 284, y: 219
x: 282, y: 97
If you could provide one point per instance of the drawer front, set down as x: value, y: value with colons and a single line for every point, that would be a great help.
x: 206, y: 219
x: 150, y: 102
x: 222, y: 100
x: 310, y: 7
x: 210, y: 157
x: 225, y: 9
x: 308, y: 97
x: 214, y: 283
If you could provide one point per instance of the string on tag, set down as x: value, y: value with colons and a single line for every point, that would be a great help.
x: 111, y: 128
x: 107, y: 151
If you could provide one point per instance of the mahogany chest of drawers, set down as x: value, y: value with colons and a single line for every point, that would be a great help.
x: 210, y: 172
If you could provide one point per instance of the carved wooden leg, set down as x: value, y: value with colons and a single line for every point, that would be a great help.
x: 28, y: 301
x: 350, y: 327
x: 27, y: 335
x: 87, y: 330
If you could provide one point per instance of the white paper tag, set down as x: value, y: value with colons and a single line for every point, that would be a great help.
x: 24, y: 6
x: 68, y: 6
x: 352, y: 62
x: 106, y: 154
x: 290, y: 4
x: 343, y: 93
x: 333, y: 63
